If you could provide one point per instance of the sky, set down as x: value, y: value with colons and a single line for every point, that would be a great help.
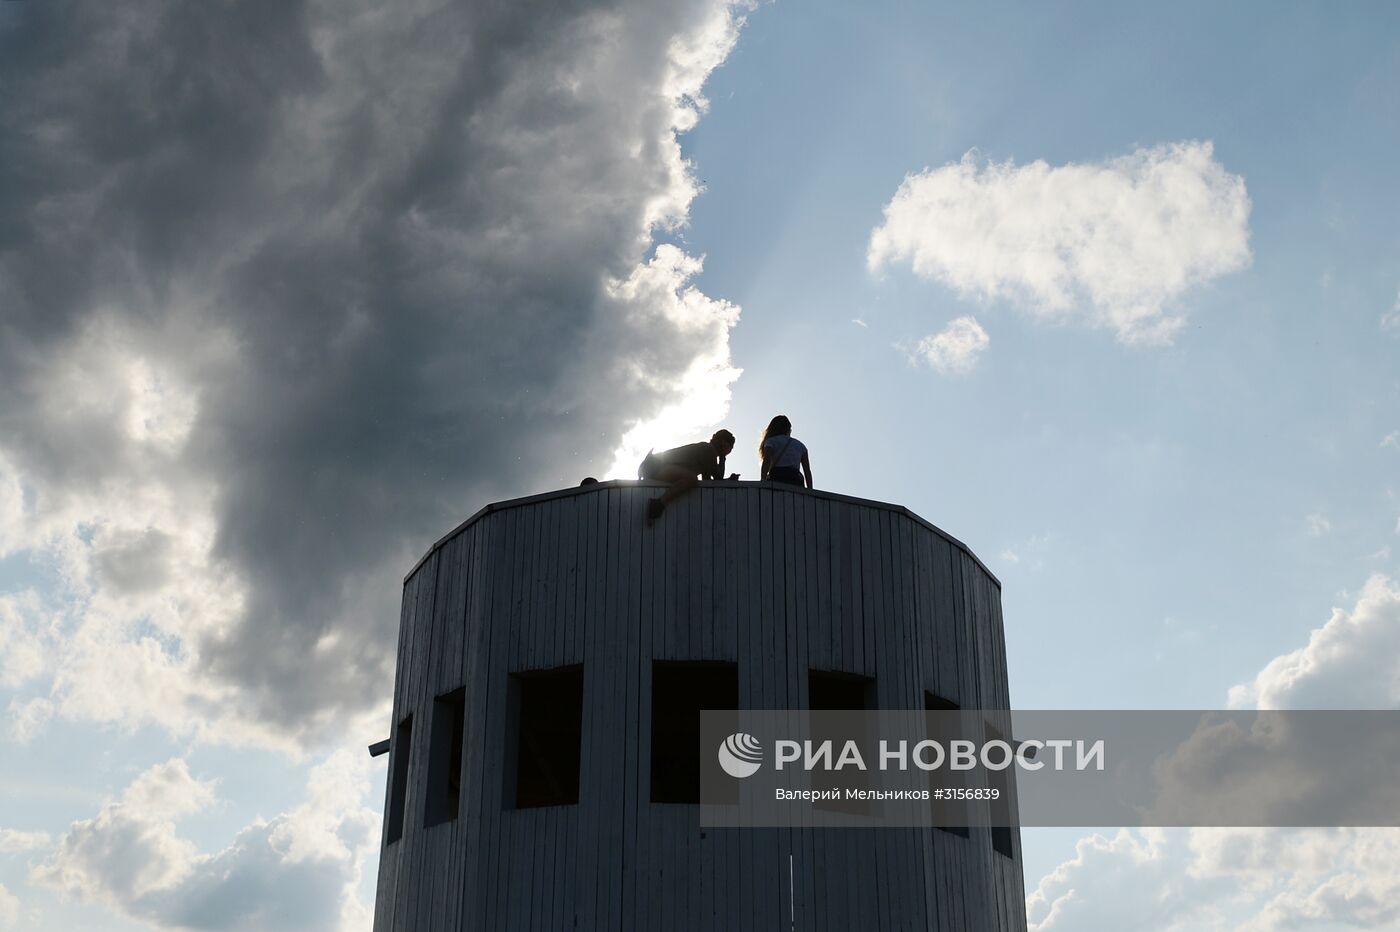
x: 288, y: 289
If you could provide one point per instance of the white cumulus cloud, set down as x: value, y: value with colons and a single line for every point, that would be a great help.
x: 1127, y: 882
x: 1235, y: 879
x: 1351, y: 662
x: 300, y: 870
x: 12, y: 840
x: 1255, y: 879
x: 1113, y: 244
x: 955, y: 349
x: 130, y: 849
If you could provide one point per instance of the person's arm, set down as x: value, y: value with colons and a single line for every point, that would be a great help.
x: 718, y: 467
x: 767, y: 466
x: 807, y: 468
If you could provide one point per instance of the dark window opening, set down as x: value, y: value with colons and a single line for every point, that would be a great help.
x: 949, y: 815
x: 445, y: 759
x: 831, y: 690
x: 398, y: 783
x: 545, y: 724
x: 936, y: 703
x: 1001, y: 806
x: 679, y: 692
x: 834, y: 691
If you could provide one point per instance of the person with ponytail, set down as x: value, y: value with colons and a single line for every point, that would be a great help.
x: 782, y: 453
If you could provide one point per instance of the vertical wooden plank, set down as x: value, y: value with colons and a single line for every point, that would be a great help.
x: 495, y: 674
x: 926, y: 631
x: 731, y: 504
x: 444, y: 637
x: 785, y: 547
x: 530, y: 624
x: 388, y: 882
x: 417, y: 672
x: 595, y: 713
x: 527, y: 571
x: 566, y: 579
x: 712, y: 550
x: 483, y: 791
x: 542, y: 913
x: 611, y: 802
x: 809, y: 548
x: 690, y: 606
x: 554, y: 516
x: 838, y: 566
x: 876, y: 861
x: 903, y: 566
x: 405, y: 905
x: 757, y: 671
x: 513, y: 874
x: 775, y: 676
x: 455, y: 916
x: 633, y: 789
x: 736, y: 843
x: 897, y: 663
x: 467, y: 828
x: 625, y: 765
x: 579, y: 640
x: 507, y: 661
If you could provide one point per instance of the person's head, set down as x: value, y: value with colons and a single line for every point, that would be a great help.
x: 780, y: 426
x: 723, y: 441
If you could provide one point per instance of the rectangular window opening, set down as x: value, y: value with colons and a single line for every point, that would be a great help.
x: 949, y: 815
x: 445, y: 759
x: 1001, y: 806
x: 833, y: 691
x: 545, y: 725
x: 829, y: 690
x: 679, y: 692
x: 398, y: 783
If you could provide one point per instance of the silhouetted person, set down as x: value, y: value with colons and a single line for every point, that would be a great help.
x: 684, y: 466
x: 588, y: 480
x: 782, y: 453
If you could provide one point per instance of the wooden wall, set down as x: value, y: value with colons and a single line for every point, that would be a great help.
x: 776, y: 579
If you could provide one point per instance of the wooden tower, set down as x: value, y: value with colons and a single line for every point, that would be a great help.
x: 545, y: 646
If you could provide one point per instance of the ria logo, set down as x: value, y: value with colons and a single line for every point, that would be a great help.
x: 740, y: 755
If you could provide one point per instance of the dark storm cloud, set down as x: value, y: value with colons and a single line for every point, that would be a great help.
x: 374, y: 243
x: 134, y: 562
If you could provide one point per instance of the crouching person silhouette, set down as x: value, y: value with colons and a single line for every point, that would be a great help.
x: 683, y: 467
